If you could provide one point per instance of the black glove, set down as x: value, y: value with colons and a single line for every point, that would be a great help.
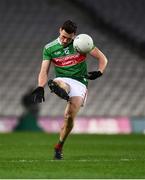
x: 37, y: 95
x: 94, y: 75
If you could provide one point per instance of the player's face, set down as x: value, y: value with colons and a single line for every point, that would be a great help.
x: 65, y: 38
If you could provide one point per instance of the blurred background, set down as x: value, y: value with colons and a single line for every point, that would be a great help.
x: 116, y: 101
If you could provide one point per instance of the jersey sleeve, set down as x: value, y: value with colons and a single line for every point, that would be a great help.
x: 46, y: 54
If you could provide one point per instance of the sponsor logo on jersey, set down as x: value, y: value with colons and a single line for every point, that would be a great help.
x: 69, y: 60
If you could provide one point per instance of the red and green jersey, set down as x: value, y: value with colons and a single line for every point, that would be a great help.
x: 67, y: 61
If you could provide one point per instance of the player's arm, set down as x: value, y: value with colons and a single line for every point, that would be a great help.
x: 38, y: 94
x: 43, y: 74
x: 98, y: 55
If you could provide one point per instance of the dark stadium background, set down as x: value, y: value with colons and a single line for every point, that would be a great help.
x: 117, y: 28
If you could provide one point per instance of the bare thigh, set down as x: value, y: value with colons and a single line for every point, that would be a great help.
x: 63, y: 85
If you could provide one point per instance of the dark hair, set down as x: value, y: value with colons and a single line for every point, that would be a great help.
x: 69, y: 27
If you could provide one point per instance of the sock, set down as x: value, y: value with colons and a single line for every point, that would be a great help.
x: 60, y: 143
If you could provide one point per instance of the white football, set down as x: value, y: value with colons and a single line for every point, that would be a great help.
x: 83, y: 43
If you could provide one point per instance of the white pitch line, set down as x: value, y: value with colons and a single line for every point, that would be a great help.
x: 68, y: 160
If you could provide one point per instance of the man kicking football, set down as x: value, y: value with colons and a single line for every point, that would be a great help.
x: 71, y: 77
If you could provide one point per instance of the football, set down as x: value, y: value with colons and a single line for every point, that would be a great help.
x: 83, y: 43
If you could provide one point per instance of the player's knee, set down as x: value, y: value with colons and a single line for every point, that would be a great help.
x: 63, y: 85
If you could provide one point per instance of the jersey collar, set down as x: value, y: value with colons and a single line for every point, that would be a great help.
x: 59, y: 41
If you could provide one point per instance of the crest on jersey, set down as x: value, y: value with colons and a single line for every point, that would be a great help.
x: 66, y: 50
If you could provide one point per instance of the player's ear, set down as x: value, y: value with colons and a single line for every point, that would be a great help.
x: 74, y: 36
x: 60, y: 30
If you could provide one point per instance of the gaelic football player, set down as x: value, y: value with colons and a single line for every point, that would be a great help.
x: 71, y: 80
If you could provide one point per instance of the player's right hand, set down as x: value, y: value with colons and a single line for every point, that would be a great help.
x: 37, y: 95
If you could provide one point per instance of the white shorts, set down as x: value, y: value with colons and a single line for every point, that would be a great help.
x: 76, y: 88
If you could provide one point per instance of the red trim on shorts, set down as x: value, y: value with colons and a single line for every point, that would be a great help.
x: 85, y: 97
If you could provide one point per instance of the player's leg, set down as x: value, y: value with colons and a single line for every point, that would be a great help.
x: 60, y: 88
x: 63, y: 85
x: 70, y: 113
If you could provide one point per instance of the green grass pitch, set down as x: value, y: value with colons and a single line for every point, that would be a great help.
x: 30, y: 155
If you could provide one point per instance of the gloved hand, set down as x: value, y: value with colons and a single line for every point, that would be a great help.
x: 37, y: 95
x: 94, y: 75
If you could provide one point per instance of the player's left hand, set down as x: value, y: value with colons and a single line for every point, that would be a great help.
x: 94, y: 75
